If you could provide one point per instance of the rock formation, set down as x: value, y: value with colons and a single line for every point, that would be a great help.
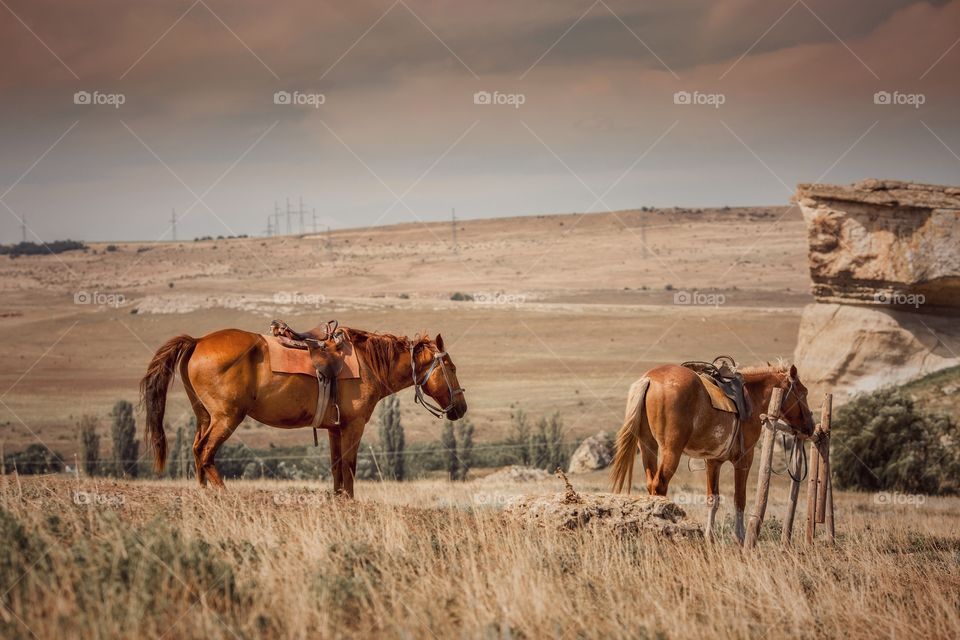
x: 885, y: 264
x: 595, y: 452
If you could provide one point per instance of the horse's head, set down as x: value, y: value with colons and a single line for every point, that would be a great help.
x: 794, y: 408
x: 437, y: 376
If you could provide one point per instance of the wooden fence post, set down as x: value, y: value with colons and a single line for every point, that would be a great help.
x: 766, y: 459
x: 813, y: 484
x: 828, y: 483
x: 824, y: 447
x: 796, y: 472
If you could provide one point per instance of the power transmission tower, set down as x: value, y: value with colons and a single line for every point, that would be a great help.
x: 289, y: 228
x: 276, y: 217
x: 314, y: 220
x: 453, y: 222
x: 173, y: 222
x: 269, y: 226
x: 302, y: 228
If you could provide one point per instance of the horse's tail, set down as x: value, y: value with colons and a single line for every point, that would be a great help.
x: 153, y: 392
x: 628, y: 439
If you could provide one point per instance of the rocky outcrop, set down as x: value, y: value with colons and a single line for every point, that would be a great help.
x: 595, y: 452
x: 605, y: 512
x: 884, y: 242
x: 885, y: 265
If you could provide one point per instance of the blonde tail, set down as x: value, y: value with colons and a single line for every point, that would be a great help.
x: 628, y: 439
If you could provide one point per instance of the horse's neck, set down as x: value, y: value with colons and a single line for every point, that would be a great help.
x: 759, y: 390
x: 400, y: 377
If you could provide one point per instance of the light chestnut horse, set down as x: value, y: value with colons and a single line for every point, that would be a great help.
x: 227, y: 377
x: 669, y: 413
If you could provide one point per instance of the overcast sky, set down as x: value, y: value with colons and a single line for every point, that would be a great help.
x: 786, y: 91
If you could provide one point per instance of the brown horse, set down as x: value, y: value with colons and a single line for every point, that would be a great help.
x: 670, y: 413
x: 227, y: 377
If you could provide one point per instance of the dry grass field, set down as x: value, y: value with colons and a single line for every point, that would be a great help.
x: 98, y: 558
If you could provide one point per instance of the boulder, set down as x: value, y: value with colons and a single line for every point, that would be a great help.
x: 884, y: 242
x: 605, y: 512
x: 595, y: 452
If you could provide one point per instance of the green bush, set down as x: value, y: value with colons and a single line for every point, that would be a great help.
x: 881, y: 442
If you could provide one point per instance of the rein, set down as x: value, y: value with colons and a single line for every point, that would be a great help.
x: 418, y: 395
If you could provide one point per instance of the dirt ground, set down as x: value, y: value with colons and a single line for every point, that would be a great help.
x: 567, y: 310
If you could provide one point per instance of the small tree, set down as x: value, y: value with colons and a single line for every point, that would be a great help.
x: 555, y: 451
x: 448, y: 443
x: 538, y: 446
x: 464, y: 447
x: 125, y: 446
x: 520, y: 437
x: 392, y: 440
x: 89, y: 445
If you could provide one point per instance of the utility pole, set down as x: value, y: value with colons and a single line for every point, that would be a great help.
x: 314, y: 220
x: 453, y: 222
x: 173, y: 222
x: 276, y: 218
x: 289, y: 228
x: 302, y: 228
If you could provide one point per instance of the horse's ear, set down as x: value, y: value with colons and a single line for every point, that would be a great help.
x: 439, y: 342
x: 793, y: 371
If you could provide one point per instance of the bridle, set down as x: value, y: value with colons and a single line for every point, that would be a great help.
x: 418, y: 395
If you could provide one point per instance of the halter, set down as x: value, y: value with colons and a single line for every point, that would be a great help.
x: 418, y: 395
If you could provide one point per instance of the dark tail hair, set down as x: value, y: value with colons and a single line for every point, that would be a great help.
x: 628, y: 439
x: 153, y: 392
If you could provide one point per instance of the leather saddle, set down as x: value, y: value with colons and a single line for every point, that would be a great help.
x: 723, y: 371
x: 322, y: 342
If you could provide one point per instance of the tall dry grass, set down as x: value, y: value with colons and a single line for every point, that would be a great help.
x: 430, y: 559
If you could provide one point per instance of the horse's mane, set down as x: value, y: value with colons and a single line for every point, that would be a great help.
x: 380, y: 351
x: 764, y: 370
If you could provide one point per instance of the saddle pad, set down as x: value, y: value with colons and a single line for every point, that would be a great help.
x: 717, y: 397
x: 286, y: 360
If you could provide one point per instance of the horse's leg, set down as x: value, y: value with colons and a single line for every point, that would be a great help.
x: 649, y: 452
x: 669, y: 462
x: 222, y: 427
x: 741, y: 471
x: 713, y: 495
x: 351, y: 446
x: 336, y: 460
